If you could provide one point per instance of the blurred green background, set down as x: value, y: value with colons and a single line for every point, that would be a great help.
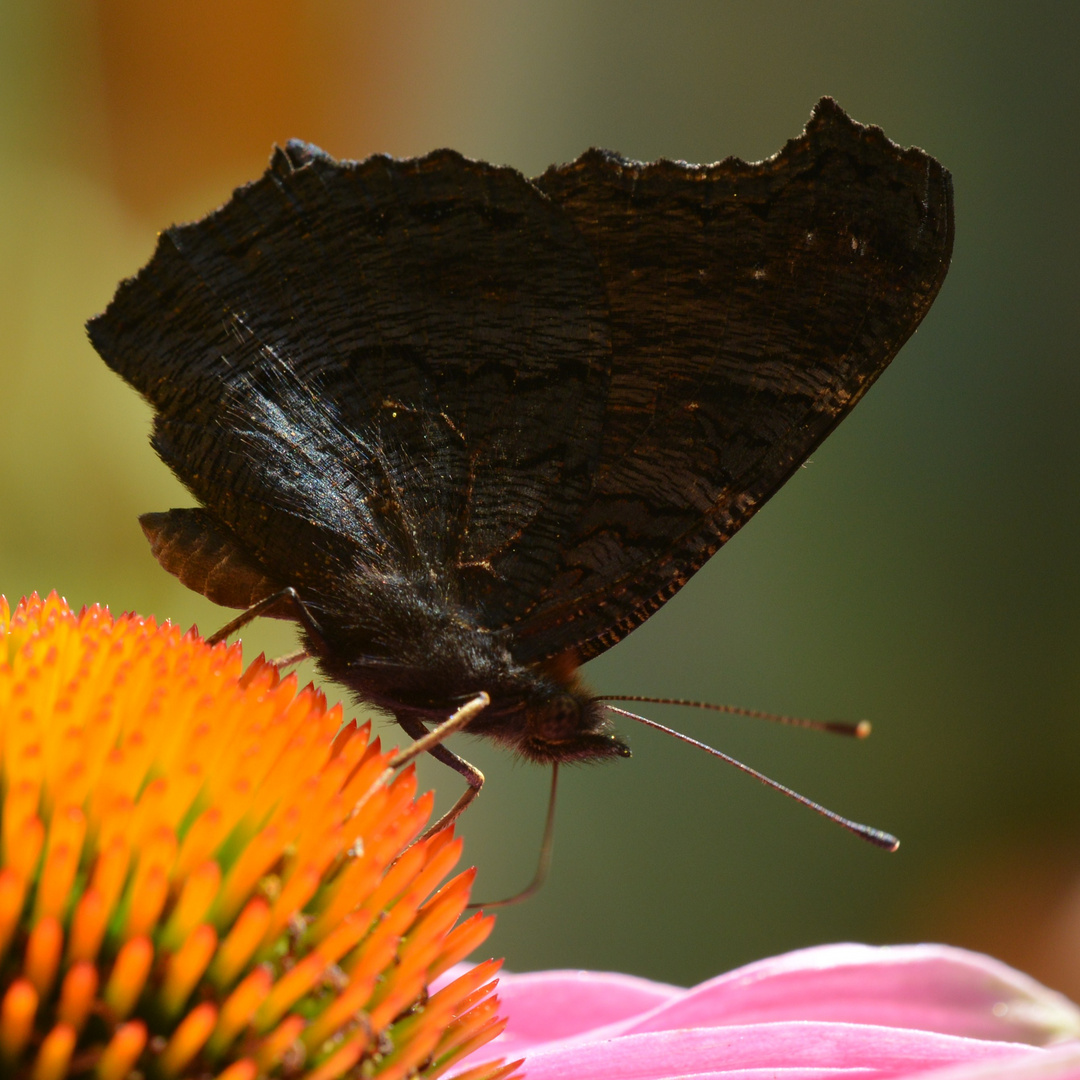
x: 922, y: 572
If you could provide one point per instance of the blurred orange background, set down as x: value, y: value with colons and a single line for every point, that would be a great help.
x: 923, y: 571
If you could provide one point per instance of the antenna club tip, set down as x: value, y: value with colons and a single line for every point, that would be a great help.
x: 862, y: 730
x: 885, y: 841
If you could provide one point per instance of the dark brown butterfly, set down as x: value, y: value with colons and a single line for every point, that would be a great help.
x: 484, y: 426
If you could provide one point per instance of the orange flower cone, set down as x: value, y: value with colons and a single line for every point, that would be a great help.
x: 202, y: 873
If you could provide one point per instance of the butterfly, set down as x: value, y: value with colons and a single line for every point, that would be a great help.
x: 471, y: 429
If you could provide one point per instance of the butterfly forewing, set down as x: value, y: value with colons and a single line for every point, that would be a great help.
x: 751, y: 305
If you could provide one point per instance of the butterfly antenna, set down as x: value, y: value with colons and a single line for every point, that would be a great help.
x: 858, y: 730
x: 546, y: 845
x: 874, y: 836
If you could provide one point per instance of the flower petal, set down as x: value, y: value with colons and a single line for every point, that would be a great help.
x: 550, y: 1005
x: 1061, y: 1063
x: 797, y: 1051
x: 924, y: 987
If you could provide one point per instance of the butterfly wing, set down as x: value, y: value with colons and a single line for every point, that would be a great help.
x: 558, y: 398
x: 374, y: 370
x: 750, y: 306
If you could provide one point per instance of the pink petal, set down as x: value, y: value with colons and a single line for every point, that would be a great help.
x: 799, y: 1050
x: 925, y: 987
x: 548, y: 1005
x: 928, y: 987
x: 1060, y: 1063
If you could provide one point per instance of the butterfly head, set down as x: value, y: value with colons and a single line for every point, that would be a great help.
x: 565, y: 721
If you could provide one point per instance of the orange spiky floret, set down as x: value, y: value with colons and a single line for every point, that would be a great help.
x: 203, y: 873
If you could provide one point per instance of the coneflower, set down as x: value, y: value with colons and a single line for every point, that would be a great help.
x: 202, y: 873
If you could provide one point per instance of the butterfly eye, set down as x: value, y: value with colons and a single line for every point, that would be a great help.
x: 558, y: 719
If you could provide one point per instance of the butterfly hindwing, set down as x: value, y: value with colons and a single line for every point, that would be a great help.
x: 400, y: 367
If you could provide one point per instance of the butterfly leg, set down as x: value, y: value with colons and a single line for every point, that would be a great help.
x: 431, y: 742
x: 543, y: 864
x: 289, y: 659
x: 288, y: 595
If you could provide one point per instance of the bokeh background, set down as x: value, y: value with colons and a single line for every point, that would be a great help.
x: 922, y: 571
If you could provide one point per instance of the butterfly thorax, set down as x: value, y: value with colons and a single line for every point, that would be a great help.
x: 425, y: 656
